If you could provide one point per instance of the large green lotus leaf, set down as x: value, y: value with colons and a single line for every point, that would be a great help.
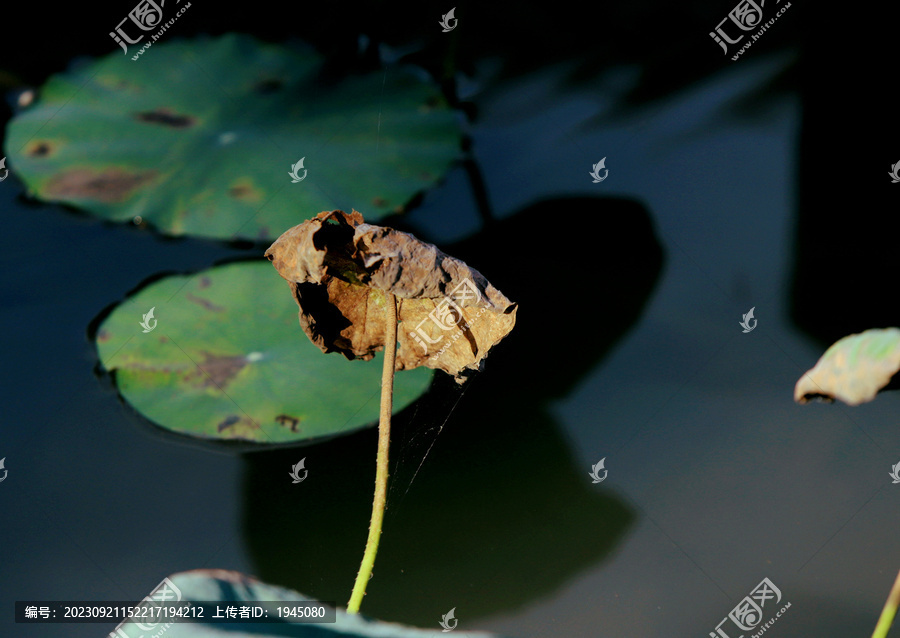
x: 213, y: 586
x: 198, y: 138
x: 854, y: 368
x: 225, y: 358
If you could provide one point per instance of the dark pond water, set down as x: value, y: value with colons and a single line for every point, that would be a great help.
x: 628, y: 349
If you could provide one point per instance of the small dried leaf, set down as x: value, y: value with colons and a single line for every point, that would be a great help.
x: 853, y: 369
x: 340, y: 269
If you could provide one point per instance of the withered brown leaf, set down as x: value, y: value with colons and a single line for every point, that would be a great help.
x: 340, y: 270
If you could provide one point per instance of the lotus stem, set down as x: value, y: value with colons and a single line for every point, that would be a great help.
x: 890, y: 609
x: 381, y: 472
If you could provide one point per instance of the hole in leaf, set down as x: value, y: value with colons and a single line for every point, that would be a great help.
x: 291, y: 421
x: 166, y: 118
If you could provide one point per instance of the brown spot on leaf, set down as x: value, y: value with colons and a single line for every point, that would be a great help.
x: 110, y: 185
x: 103, y: 336
x: 205, y: 282
x: 165, y: 117
x: 284, y: 419
x: 238, y: 428
x: 217, y: 371
x: 39, y: 148
x: 245, y: 192
x: 206, y: 303
x: 269, y: 85
x: 228, y: 422
x: 379, y: 202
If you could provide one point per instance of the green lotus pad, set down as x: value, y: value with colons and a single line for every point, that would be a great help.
x: 233, y: 589
x: 225, y: 358
x: 853, y: 369
x: 199, y: 137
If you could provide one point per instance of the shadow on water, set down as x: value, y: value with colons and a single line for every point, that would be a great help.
x: 500, y: 504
